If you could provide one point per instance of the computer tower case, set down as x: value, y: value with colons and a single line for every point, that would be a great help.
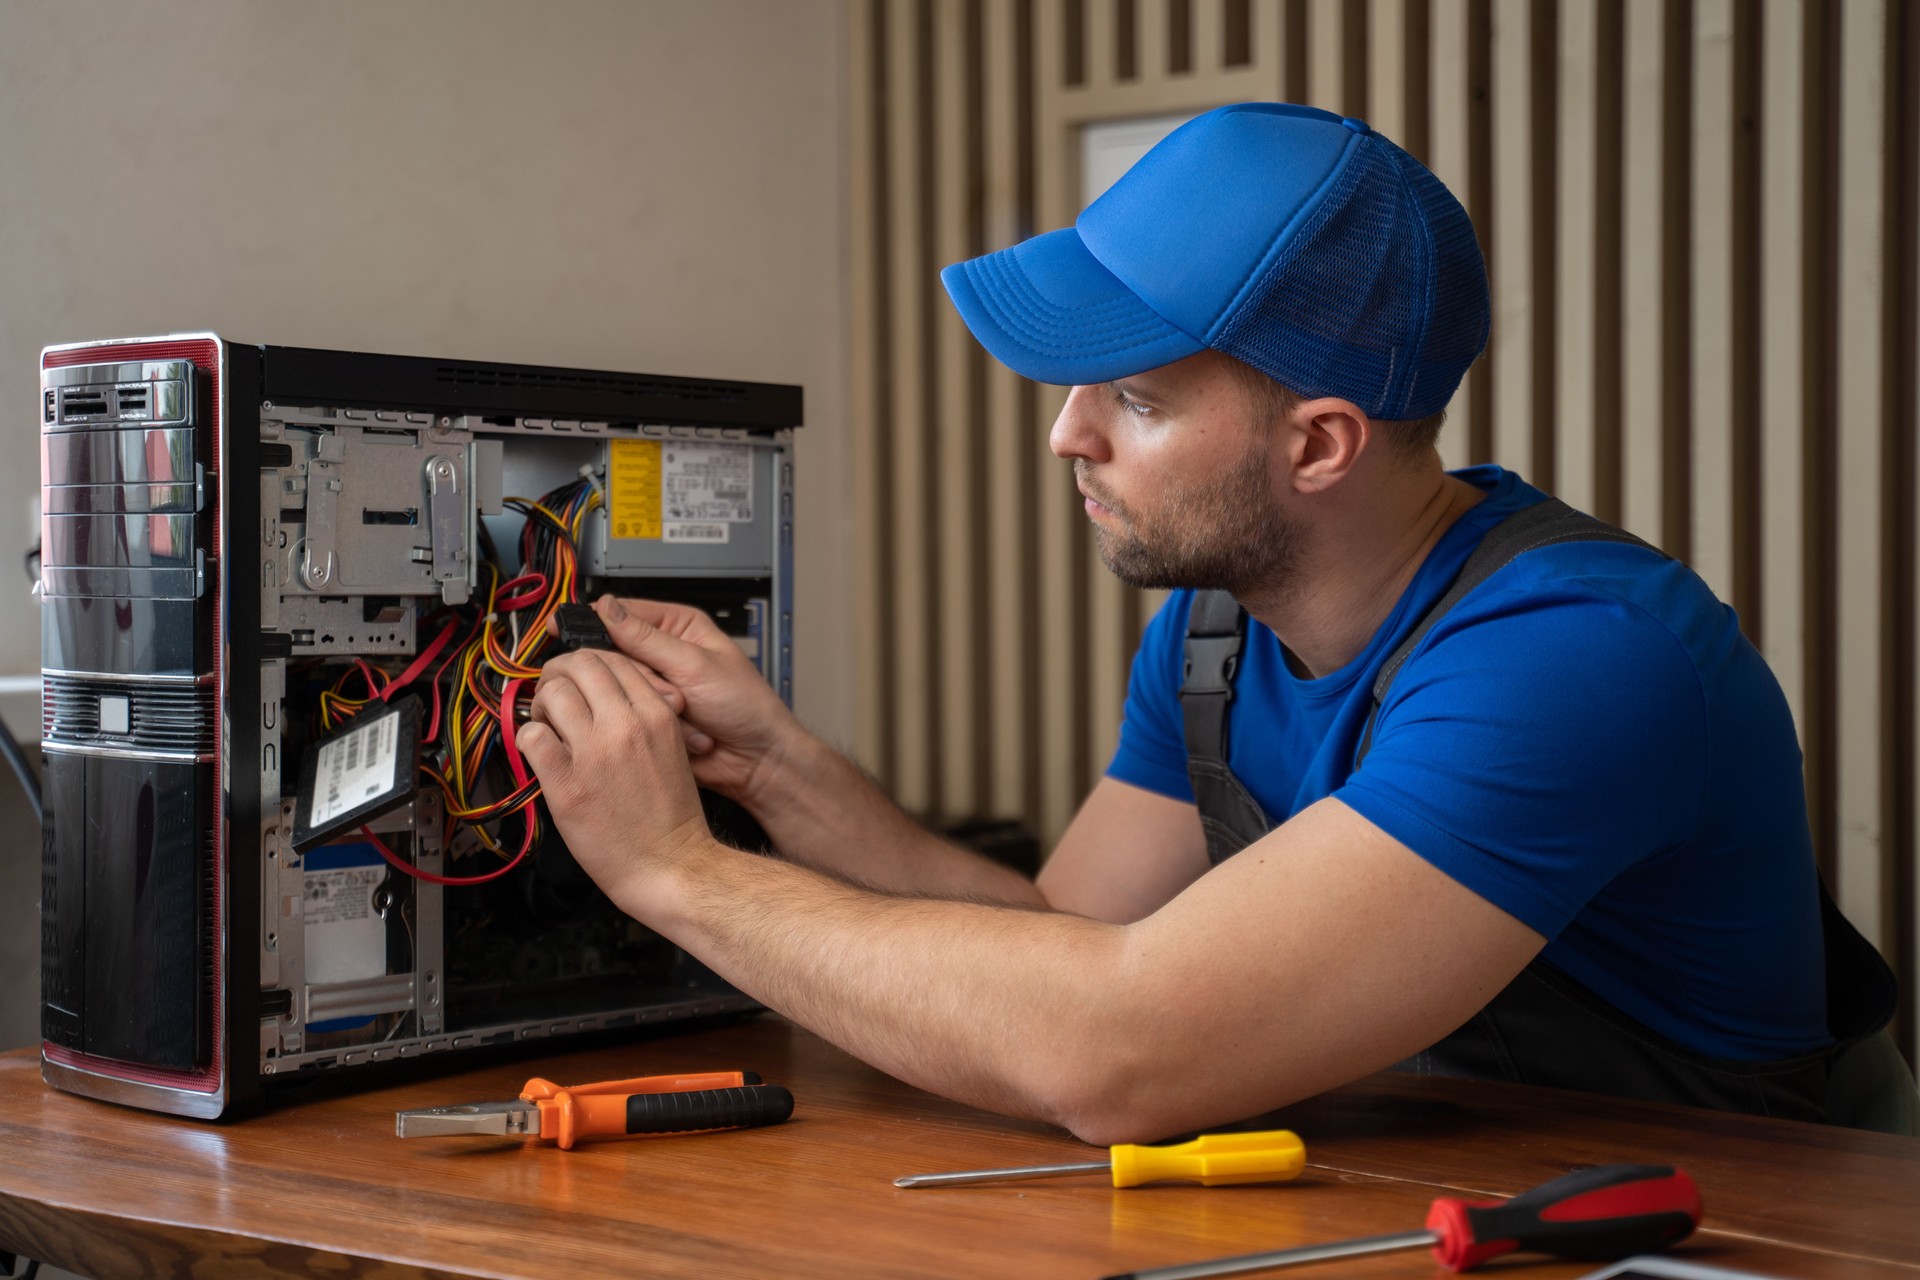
x: 246, y: 550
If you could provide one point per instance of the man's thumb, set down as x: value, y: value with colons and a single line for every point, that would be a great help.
x: 640, y: 640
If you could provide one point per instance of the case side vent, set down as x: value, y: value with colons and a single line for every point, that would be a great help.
x: 635, y: 386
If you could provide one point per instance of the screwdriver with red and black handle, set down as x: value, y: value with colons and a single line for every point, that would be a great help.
x: 1593, y: 1215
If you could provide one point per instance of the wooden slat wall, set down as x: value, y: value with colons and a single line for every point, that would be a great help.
x: 1702, y: 227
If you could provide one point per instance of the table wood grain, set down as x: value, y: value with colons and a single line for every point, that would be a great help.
x: 318, y: 1185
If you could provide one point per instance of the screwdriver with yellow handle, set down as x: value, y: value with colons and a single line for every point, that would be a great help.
x: 1212, y: 1160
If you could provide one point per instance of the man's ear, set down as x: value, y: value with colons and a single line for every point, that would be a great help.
x: 1327, y: 438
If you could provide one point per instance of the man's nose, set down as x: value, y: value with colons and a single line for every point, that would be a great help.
x: 1076, y: 432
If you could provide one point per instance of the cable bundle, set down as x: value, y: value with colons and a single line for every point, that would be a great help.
x: 497, y: 656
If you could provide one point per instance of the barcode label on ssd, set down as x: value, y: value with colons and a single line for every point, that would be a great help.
x: 355, y: 769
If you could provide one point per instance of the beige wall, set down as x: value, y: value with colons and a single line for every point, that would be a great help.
x: 648, y: 185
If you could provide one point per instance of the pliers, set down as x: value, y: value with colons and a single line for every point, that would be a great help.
x: 647, y: 1104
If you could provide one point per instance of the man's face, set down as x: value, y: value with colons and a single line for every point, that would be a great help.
x: 1178, y: 473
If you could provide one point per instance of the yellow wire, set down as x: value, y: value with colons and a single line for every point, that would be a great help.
x: 467, y: 717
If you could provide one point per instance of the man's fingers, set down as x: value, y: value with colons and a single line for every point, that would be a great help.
x: 637, y: 627
x: 546, y: 754
x: 537, y: 739
x: 559, y: 702
x: 609, y: 679
x: 668, y: 691
x: 682, y: 620
x: 594, y: 679
x: 640, y: 685
x: 661, y: 685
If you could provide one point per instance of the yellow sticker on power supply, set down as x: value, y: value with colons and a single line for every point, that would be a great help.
x: 633, y: 489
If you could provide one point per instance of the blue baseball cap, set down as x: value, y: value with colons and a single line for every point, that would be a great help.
x: 1304, y: 244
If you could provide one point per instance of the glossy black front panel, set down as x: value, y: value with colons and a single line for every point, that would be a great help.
x: 63, y: 901
x: 146, y: 869
x: 161, y: 637
x: 126, y: 533
x: 125, y: 899
x: 133, y: 459
x: 122, y: 540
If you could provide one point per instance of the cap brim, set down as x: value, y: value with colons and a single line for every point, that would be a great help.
x: 1049, y: 311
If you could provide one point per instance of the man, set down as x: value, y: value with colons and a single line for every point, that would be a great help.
x: 1575, y: 830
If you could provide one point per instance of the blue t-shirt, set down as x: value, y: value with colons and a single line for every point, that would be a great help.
x: 1586, y: 741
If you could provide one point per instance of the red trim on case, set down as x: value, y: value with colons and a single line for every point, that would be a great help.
x: 204, y: 353
x: 206, y: 1081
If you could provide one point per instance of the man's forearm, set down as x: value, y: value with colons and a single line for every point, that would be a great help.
x: 821, y: 810
x: 994, y: 1006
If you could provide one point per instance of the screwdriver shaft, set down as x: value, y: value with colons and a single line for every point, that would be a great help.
x: 1283, y: 1258
x: 996, y: 1175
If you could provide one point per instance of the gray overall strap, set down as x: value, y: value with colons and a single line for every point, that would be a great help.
x: 1231, y: 818
x: 1216, y: 630
x: 1543, y: 524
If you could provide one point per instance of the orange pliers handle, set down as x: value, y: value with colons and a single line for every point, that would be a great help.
x: 712, y: 1100
x: 537, y: 1088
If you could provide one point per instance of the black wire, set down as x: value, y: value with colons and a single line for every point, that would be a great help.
x: 486, y: 543
x: 544, y: 525
x: 10, y: 748
x: 30, y: 784
x: 541, y: 537
x: 545, y: 531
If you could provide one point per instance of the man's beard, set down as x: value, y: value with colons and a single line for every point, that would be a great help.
x: 1226, y: 534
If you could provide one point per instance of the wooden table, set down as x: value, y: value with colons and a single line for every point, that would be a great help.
x: 320, y: 1186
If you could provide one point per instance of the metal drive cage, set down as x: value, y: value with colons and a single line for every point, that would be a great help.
x: 293, y: 603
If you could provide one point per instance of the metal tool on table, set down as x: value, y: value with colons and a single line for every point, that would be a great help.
x: 1212, y: 1160
x: 647, y: 1104
x: 1593, y: 1215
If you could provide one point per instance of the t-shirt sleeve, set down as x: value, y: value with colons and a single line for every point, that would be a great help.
x: 1153, y: 745
x: 1539, y: 742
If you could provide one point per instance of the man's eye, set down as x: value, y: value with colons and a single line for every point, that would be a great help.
x: 1129, y: 404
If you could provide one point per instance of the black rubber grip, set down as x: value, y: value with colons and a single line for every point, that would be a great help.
x: 753, y: 1104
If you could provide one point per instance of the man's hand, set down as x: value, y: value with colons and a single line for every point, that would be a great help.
x: 607, y: 749
x: 816, y: 806
x: 736, y: 726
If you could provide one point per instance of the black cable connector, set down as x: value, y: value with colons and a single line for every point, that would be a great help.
x: 580, y: 628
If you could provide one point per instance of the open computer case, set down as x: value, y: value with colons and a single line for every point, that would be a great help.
x: 292, y: 602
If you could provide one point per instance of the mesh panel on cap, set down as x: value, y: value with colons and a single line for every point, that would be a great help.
x: 1457, y: 332
x: 1350, y: 309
